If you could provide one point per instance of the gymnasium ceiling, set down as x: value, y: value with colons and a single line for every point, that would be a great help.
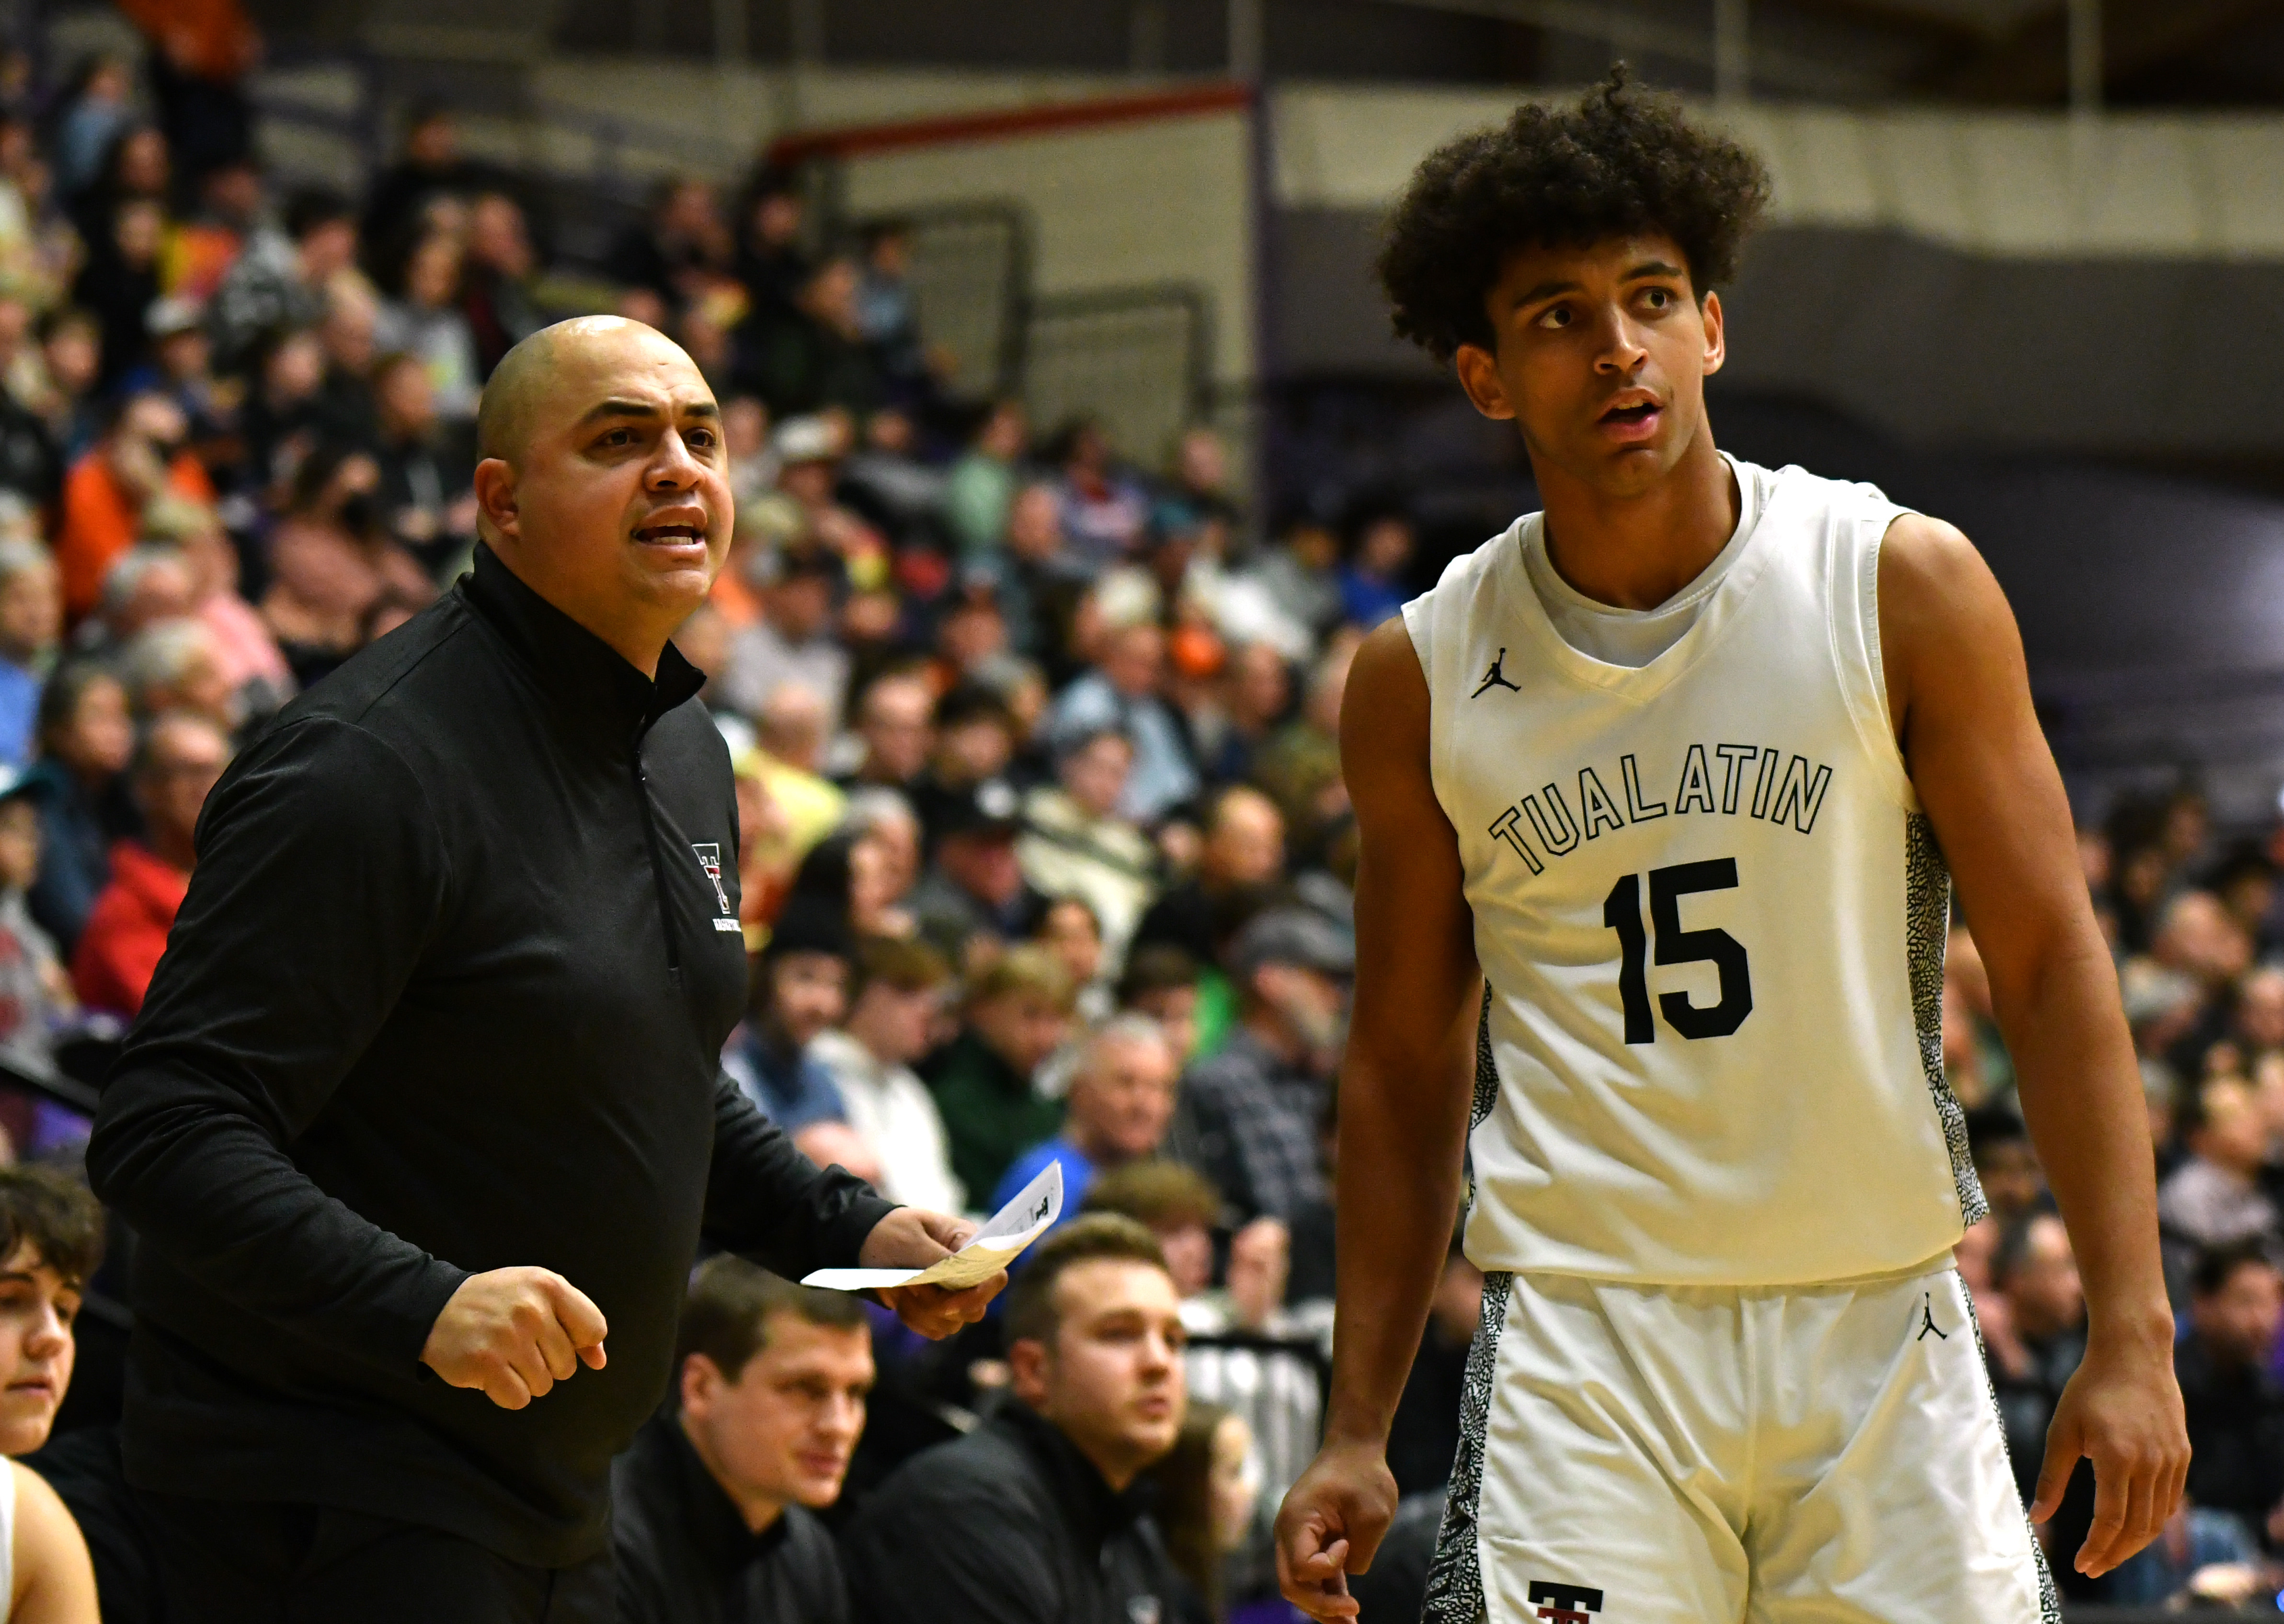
x: 2159, y: 51
x: 2216, y: 53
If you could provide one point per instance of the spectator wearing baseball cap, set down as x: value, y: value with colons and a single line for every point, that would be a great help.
x: 975, y: 739
x: 809, y: 451
x: 1250, y: 1113
x: 800, y: 990
x: 181, y: 365
x: 973, y: 898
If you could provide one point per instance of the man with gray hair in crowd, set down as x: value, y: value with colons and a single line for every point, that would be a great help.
x: 146, y: 585
x: 1122, y: 1098
x: 173, y: 666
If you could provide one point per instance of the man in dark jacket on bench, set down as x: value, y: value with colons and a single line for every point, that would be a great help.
x: 1033, y: 1519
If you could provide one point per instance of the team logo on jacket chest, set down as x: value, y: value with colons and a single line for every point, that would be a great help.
x: 1565, y: 1604
x: 709, y: 859
x: 1760, y: 781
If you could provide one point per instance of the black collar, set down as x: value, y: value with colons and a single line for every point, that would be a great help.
x: 1097, y: 1512
x: 590, y: 680
x: 715, y: 1525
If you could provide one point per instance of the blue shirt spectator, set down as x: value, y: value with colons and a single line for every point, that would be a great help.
x: 1120, y: 694
x: 1373, y: 582
x: 1078, y: 1173
x: 20, y: 707
x: 1367, y: 599
x: 1121, y: 1101
x: 791, y: 1090
x: 31, y: 625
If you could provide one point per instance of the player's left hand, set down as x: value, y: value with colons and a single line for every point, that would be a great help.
x: 1332, y: 1521
x: 2122, y: 1412
x: 912, y: 1238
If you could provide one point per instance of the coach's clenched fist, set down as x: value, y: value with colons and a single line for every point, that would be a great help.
x: 515, y: 1332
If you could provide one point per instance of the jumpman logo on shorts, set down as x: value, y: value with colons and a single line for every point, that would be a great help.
x: 1927, y: 1320
x: 1496, y: 678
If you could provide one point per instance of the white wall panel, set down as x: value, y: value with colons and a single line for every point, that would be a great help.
x: 2165, y: 186
x: 1167, y: 199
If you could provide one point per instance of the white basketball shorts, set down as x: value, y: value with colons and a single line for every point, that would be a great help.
x: 1660, y: 1455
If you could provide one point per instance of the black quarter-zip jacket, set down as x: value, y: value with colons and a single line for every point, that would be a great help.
x: 447, y: 994
x: 1009, y: 1524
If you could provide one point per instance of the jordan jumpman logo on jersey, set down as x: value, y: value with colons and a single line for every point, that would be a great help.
x: 1927, y: 1320
x: 1495, y: 677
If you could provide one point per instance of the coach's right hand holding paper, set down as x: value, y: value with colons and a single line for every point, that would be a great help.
x: 980, y: 1258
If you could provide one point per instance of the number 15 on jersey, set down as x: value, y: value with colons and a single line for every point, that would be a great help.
x: 1621, y: 912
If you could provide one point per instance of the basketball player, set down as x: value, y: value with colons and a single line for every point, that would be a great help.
x: 1681, y: 769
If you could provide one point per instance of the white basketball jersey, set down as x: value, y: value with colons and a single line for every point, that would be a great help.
x: 1711, y: 917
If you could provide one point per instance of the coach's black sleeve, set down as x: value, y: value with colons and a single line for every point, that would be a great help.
x: 769, y: 1202
x: 321, y: 878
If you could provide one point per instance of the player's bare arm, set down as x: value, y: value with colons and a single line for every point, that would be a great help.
x: 55, y: 1581
x: 1404, y: 1092
x: 1959, y: 695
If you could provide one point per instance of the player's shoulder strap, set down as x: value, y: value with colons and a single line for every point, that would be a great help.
x: 1449, y: 601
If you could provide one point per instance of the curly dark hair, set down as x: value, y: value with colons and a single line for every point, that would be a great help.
x: 56, y: 1216
x: 1620, y: 162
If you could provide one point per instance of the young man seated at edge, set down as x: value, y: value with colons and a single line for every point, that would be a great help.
x: 1035, y: 1516
x: 50, y: 1241
x: 711, y: 1503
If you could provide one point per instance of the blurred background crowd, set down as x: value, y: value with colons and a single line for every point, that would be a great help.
x: 1045, y: 851
x: 1045, y: 847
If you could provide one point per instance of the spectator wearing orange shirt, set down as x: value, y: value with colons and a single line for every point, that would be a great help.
x: 106, y: 490
x: 203, y: 49
x: 214, y: 39
x: 182, y: 758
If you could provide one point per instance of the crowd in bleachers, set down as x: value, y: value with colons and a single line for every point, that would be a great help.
x: 1045, y: 849
x: 2196, y: 926
x: 1044, y: 841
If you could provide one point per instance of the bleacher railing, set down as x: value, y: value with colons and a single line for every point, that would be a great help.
x: 970, y: 278
x: 1139, y: 359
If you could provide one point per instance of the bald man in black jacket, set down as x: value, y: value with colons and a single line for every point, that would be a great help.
x: 423, y: 1118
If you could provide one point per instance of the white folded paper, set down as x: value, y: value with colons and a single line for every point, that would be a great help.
x: 1013, y: 1227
